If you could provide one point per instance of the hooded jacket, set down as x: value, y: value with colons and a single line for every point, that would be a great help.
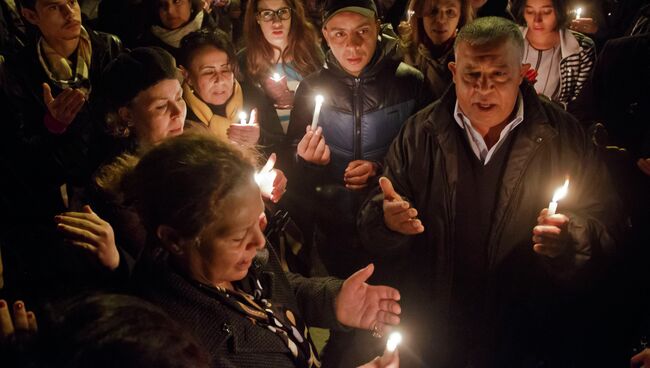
x: 528, y: 298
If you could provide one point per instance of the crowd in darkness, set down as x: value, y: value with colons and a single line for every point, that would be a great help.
x: 199, y: 183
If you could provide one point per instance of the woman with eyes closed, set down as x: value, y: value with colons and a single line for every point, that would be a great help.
x: 562, y: 58
x: 427, y: 38
x: 215, y: 97
x: 280, y: 40
x: 210, y: 268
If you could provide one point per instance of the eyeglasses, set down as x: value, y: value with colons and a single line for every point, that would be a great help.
x: 268, y: 15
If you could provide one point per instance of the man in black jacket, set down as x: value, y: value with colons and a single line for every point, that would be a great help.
x: 51, y: 131
x: 467, y: 181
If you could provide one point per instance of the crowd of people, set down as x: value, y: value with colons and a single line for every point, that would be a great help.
x: 194, y: 183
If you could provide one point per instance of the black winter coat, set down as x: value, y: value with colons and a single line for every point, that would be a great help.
x: 531, y: 302
x: 229, y: 337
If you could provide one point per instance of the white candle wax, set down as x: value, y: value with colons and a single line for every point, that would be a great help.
x: 319, y: 103
x: 253, y: 118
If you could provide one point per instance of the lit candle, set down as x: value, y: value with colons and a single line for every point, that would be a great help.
x: 319, y: 103
x: 394, y: 340
x: 409, y: 15
x: 276, y: 77
x: 253, y: 118
x: 242, y: 118
x: 578, y: 13
x: 266, y: 177
x: 559, y: 194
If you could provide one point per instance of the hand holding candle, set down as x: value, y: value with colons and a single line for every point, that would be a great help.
x: 277, y: 89
x: 272, y: 182
x: 246, y: 133
x: 550, y: 232
x: 560, y: 193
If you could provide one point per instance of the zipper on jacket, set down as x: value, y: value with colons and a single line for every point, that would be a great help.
x: 356, y: 108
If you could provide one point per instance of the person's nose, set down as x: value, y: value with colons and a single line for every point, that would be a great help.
x: 354, y: 41
x: 176, y: 108
x: 484, y: 84
x: 538, y: 17
x: 258, y: 240
x: 67, y: 10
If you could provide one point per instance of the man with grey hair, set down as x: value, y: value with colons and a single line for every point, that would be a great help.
x: 465, y: 188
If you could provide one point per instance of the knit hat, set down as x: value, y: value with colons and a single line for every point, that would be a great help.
x: 366, y: 8
x: 135, y: 71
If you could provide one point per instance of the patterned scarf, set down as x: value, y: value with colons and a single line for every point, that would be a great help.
x: 59, y: 69
x: 215, y: 123
x: 276, y: 318
x: 173, y: 38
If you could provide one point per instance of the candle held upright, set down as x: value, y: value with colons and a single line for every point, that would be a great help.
x: 319, y: 103
x: 560, y: 193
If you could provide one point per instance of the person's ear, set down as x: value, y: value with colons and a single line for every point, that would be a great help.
x: 185, y: 74
x: 125, y: 114
x: 326, y: 36
x: 30, y: 15
x: 452, y: 69
x: 170, y: 239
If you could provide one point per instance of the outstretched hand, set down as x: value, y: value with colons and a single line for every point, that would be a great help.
x: 398, y: 214
x: 65, y: 107
x: 366, y: 306
x: 88, y: 231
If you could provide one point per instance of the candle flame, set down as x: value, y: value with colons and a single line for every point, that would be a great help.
x: 319, y: 99
x: 276, y: 77
x: 393, y: 341
x: 561, y: 192
x: 242, y: 115
x: 578, y: 12
x: 264, y: 180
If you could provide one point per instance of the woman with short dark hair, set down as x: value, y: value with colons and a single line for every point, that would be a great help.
x: 210, y: 267
x: 561, y: 57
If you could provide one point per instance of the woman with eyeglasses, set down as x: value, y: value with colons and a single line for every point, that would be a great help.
x: 168, y: 21
x: 427, y: 38
x: 281, y: 48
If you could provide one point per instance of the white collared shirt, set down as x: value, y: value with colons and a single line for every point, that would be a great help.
x: 475, y: 138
